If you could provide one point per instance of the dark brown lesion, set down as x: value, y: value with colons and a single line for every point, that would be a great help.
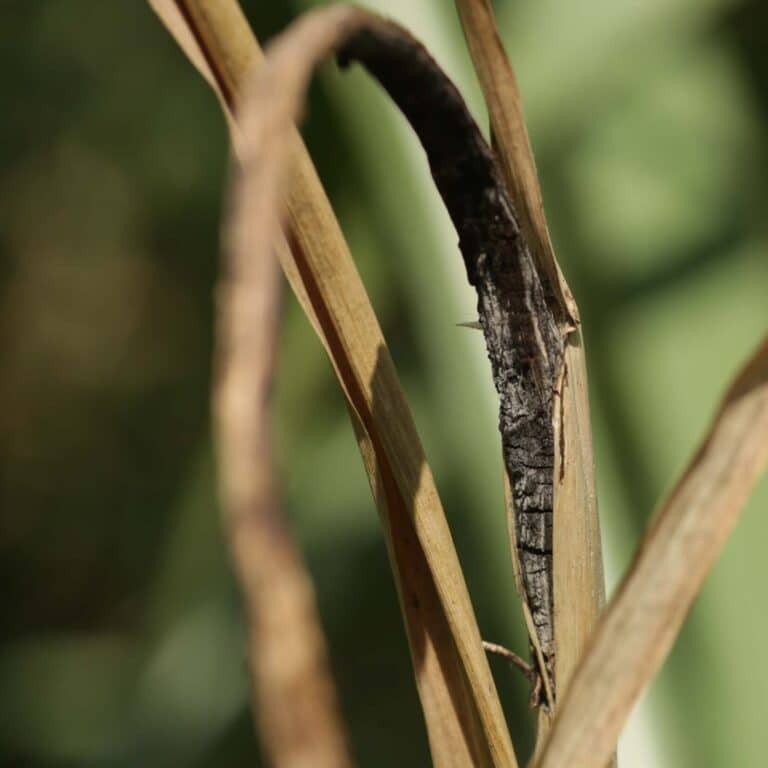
x: 516, y: 309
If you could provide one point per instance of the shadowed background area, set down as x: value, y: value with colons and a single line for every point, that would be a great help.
x: 122, y: 641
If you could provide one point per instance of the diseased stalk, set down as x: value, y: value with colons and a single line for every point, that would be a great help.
x: 578, y: 582
x: 515, y: 305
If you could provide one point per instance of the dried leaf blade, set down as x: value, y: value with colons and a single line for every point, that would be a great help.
x: 294, y: 697
x: 682, y: 543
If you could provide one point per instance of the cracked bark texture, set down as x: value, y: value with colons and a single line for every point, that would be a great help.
x: 516, y: 308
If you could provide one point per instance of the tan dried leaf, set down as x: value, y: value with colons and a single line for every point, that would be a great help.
x: 681, y: 545
x: 294, y: 698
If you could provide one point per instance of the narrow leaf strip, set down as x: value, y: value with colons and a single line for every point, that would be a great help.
x: 510, y: 137
x: 464, y: 719
x: 681, y: 545
x: 579, y: 591
x: 294, y: 698
x: 217, y: 40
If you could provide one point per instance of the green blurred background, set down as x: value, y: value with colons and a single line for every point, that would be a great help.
x: 122, y: 640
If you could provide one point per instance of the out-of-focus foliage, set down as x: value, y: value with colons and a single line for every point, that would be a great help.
x: 122, y: 642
